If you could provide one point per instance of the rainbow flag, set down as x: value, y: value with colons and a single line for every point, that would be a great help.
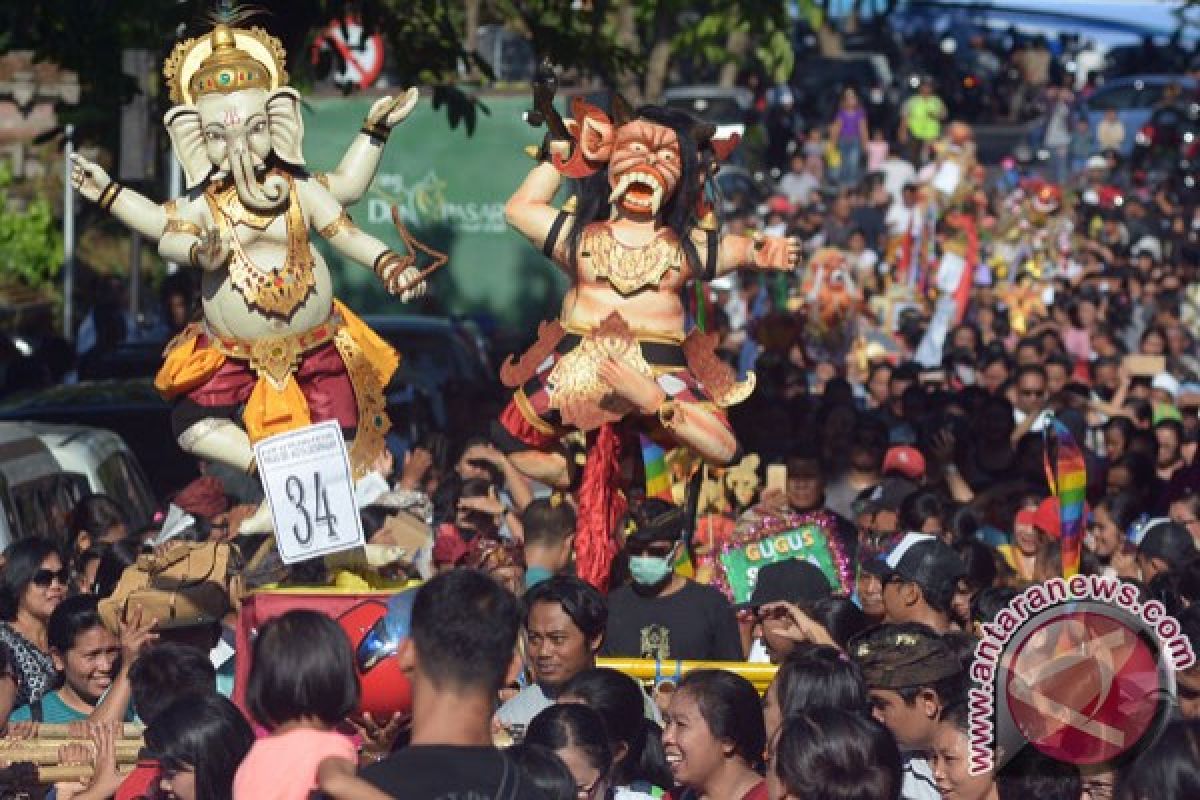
x: 1067, y: 475
x: 658, y: 477
x: 658, y: 484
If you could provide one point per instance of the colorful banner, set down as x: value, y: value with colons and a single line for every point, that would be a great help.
x: 811, y: 537
x: 1066, y: 472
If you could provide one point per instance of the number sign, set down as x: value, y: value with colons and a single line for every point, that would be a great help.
x: 306, y: 476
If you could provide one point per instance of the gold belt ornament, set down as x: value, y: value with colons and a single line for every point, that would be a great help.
x: 582, y: 397
x: 274, y: 292
x: 276, y: 358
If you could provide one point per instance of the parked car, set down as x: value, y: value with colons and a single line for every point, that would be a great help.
x: 46, y: 469
x: 131, y: 409
x: 1134, y: 99
x: 728, y: 109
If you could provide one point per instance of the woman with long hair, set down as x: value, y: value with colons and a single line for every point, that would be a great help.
x: 32, y: 584
x: 199, y: 741
x: 638, y: 761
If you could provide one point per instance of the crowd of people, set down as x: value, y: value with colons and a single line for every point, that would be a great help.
x: 906, y: 410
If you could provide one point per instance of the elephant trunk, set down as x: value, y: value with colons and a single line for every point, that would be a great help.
x: 261, y: 196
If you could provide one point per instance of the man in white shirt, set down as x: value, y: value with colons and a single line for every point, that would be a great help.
x: 904, y: 215
x: 803, y: 179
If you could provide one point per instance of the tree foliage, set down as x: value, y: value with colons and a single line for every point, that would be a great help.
x: 31, y: 245
x: 627, y: 44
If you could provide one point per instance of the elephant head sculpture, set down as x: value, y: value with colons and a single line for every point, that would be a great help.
x: 234, y: 114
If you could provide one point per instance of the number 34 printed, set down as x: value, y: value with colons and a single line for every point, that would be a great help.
x: 320, y: 514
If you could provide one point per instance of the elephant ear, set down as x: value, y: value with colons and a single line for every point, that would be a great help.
x: 287, y: 126
x: 187, y: 140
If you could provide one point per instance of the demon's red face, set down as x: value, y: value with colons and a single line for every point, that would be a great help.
x: 645, y: 168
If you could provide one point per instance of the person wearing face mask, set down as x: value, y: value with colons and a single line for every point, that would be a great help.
x: 662, y: 615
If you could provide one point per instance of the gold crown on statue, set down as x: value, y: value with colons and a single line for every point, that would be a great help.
x: 226, y: 60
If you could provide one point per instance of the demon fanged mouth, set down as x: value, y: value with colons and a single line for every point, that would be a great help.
x: 639, y: 191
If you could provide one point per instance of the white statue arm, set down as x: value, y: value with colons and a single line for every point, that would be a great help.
x: 354, y: 174
x: 397, y: 271
x: 138, y: 213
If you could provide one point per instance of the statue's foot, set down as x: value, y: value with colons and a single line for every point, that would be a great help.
x: 639, y: 390
x: 258, y: 522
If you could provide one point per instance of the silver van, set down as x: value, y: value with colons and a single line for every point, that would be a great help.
x: 46, y: 469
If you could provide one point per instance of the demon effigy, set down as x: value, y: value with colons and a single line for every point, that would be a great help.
x: 619, y: 359
x: 274, y: 351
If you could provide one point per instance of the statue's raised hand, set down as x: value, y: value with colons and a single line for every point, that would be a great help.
x: 211, y: 250
x: 406, y: 282
x: 391, y: 111
x: 776, y: 252
x: 88, y: 178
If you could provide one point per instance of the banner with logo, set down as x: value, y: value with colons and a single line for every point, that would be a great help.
x: 450, y: 189
x: 776, y: 538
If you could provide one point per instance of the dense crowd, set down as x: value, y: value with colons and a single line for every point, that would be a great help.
x: 920, y: 444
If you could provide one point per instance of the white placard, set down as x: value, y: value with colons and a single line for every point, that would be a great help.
x: 306, y: 476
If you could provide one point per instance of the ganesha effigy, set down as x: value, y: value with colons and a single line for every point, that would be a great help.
x: 274, y: 351
x: 619, y: 358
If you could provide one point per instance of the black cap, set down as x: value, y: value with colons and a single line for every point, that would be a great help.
x: 887, y: 495
x: 903, y: 656
x: 1167, y: 540
x: 792, y: 581
x: 921, y: 559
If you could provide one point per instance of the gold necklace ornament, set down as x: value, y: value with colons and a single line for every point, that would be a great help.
x: 276, y: 292
x: 629, y: 269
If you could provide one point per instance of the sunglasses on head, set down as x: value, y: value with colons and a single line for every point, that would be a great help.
x: 45, y: 577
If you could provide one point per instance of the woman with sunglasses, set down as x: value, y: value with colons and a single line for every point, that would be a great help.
x: 32, y: 584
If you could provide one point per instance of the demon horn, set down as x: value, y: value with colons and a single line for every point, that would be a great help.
x: 622, y: 111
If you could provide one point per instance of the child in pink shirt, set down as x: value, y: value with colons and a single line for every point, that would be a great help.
x: 302, y: 684
x: 877, y: 151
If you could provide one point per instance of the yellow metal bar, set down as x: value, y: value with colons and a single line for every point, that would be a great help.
x: 650, y: 672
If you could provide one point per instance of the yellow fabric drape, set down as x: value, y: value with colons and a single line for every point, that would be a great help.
x: 187, y: 367
x: 270, y: 409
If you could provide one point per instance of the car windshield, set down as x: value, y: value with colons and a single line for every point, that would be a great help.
x: 718, y: 110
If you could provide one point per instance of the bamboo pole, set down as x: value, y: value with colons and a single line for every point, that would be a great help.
x: 71, y: 730
x: 47, y: 753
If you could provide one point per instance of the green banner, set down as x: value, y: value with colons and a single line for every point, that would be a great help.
x: 450, y: 189
x: 742, y: 563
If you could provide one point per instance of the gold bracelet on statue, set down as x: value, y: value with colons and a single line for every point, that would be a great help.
x: 192, y: 254
x: 389, y: 263
x: 109, y: 195
x: 378, y: 132
x: 668, y: 414
x: 339, y: 224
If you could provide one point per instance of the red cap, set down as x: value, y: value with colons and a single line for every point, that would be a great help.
x: 779, y: 203
x: 1048, y: 518
x: 1025, y: 517
x: 906, y: 461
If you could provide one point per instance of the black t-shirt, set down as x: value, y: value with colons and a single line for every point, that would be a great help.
x: 444, y: 772
x: 695, y: 623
